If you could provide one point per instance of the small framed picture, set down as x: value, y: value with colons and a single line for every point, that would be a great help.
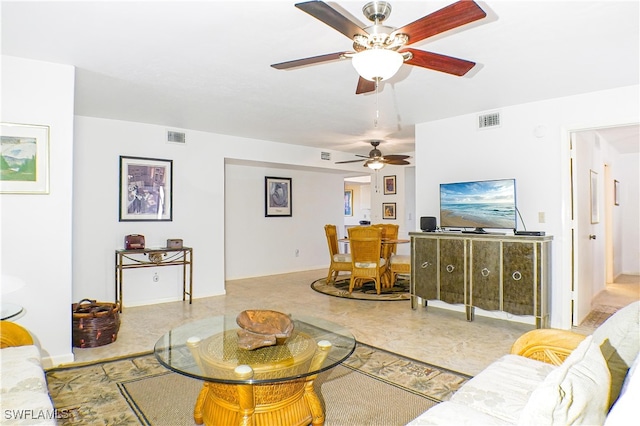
x: 277, y: 196
x: 146, y: 189
x: 389, y: 185
x: 595, y: 203
x: 348, y: 202
x: 388, y: 210
x: 24, y: 162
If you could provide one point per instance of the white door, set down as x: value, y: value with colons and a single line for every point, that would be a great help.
x: 588, y: 236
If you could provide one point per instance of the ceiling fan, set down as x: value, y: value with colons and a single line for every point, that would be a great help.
x: 381, y: 50
x: 376, y: 160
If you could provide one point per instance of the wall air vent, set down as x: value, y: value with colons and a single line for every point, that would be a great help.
x: 489, y: 120
x: 176, y: 137
x: 325, y: 156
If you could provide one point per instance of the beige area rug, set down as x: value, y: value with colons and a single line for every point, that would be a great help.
x: 400, y: 291
x: 373, y: 387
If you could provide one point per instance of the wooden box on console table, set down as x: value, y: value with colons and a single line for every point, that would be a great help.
x: 508, y: 273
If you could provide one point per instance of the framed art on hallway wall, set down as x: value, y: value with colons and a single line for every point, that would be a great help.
x: 277, y: 197
x: 348, y: 202
x: 389, y: 185
x: 146, y: 189
x: 24, y: 163
x: 388, y: 210
x: 595, y: 199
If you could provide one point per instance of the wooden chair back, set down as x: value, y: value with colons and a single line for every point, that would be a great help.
x: 332, y: 239
x: 339, y: 262
x: 367, y: 265
x: 389, y: 232
x: 365, y: 242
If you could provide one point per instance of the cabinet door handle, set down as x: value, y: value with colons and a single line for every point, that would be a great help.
x: 592, y: 237
x: 517, y: 276
x: 485, y: 272
x: 450, y: 268
x: 425, y: 264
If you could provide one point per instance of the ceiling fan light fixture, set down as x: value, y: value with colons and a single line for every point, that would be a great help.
x: 377, y: 64
x: 375, y: 164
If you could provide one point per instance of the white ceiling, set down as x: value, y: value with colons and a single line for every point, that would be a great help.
x: 205, y: 65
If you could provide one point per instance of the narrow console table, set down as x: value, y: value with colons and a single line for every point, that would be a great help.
x: 155, y: 257
x: 505, y: 273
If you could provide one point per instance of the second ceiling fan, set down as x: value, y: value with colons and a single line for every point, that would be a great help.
x: 388, y: 43
x: 376, y: 160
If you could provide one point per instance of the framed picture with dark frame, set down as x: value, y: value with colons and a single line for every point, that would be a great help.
x: 388, y: 210
x: 277, y: 196
x: 389, y: 185
x: 24, y: 160
x: 146, y: 189
x: 348, y: 202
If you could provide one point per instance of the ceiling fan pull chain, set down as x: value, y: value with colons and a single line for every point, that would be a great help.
x: 375, y: 120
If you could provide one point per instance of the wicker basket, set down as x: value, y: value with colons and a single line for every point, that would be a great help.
x: 94, y: 323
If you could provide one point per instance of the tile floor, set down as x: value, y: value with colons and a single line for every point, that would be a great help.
x: 433, y: 335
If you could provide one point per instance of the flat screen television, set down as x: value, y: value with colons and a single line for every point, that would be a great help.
x: 480, y: 204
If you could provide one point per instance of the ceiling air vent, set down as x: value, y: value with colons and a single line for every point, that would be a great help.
x: 325, y: 156
x: 176, y: 137
x: 489, y: 120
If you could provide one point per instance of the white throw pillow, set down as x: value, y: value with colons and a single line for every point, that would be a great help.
x: 577, y: 392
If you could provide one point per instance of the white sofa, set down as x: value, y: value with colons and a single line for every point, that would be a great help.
x: 24, y: 397
x: 555, y: 377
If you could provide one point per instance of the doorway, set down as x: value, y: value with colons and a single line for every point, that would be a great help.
x: 599, y: 234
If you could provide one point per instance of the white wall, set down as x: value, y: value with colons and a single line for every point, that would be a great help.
x: 256, y: 245
x: 531, y: 145
x: 200, y: 214
x: 36, y: 229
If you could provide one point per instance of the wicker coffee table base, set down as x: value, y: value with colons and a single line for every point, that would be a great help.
x: 286, y: 403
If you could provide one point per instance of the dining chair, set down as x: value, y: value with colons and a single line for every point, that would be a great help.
x: 399, y: 264
x: 389, y: 232
x: 366, y: 260
x: 339, y: 261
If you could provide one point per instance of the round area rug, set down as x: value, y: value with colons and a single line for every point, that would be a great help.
x: 367, y: 292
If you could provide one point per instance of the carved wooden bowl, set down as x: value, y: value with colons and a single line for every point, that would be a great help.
x: 260, y: 328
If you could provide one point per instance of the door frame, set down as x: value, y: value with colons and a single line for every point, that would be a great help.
x: 570, y: 255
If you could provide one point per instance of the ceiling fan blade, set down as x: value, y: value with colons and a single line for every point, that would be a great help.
x: 325, y: 13
x: 396, y: 157
x: 308, y: 61
x: 396, y: 162
x: 447, y: 18
x: 365, y: 86
x: 348, y: 161
x: 438, y: 62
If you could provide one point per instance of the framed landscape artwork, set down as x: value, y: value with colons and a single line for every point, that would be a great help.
x: 388, y: 210
x: 24, y: 163
x: 146, y: 189
x: 389, y: 185
x: 277, y: 196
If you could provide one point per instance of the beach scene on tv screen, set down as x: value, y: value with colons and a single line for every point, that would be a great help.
x: 483, y: 204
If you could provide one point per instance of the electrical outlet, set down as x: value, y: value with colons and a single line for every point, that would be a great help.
x: 541, y: 217
x: 156, y: 277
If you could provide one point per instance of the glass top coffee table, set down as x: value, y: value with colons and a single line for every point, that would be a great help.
x: 269, y: 385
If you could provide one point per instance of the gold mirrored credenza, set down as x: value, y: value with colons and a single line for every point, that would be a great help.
x: 508, y: 273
